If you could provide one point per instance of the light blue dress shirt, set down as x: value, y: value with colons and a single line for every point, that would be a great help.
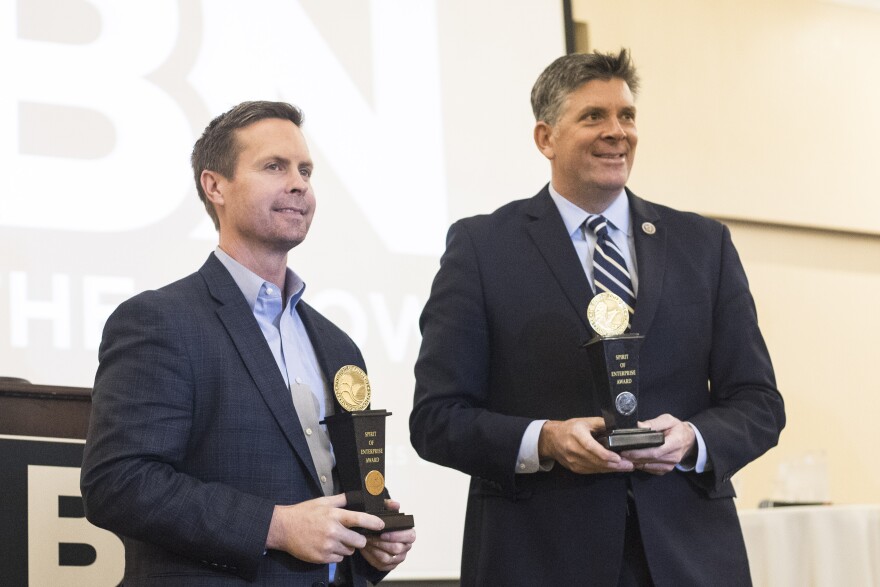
x: 284, y: 331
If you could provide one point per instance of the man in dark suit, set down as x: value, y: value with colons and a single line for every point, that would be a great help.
x: 205, y: 451
x: 503, y: 384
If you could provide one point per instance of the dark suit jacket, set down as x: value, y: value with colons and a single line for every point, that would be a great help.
x: 194, y: 439
x: 502, y: 345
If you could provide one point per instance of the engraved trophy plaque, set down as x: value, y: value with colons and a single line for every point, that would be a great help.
x: 358, y: 439
x: 614, y: 361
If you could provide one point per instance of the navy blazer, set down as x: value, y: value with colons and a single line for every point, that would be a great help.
x: 194, y: 438
x: 503, y: 334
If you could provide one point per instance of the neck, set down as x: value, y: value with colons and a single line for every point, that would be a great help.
x: 592, y: 200
x: 270, y: 266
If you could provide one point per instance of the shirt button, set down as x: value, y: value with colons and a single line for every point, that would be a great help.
x: 308, y: 431
x: 298, y: 380
x: 323, y: 478
x: 270, y: 291
x: 522, y: 466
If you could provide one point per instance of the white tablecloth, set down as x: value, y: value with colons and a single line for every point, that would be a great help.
x: 814, y: 545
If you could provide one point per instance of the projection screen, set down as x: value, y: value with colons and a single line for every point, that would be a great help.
x: 417, y: 114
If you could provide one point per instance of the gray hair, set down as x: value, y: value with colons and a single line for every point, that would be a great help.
x: 217, y: 150
x: 569, y: 72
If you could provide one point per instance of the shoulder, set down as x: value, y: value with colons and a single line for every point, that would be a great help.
x: 170, y: 306
x: 190, y: 286
x: 515, y: 212
x: 678, y: 223
x: 190, y: 293
x: 505, y: 226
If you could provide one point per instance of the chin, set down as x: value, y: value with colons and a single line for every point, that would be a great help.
x: 291, y: 243
x: 614, y: 184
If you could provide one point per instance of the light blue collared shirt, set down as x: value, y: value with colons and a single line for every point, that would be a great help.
x: 284, y: 331
x: 584, y: 241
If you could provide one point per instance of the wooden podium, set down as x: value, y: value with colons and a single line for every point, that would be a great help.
x: 44, y: 536
x: 43, y: 410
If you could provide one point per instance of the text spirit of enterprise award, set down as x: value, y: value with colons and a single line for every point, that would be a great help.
x: 614, y: 361
x: 358, y: 438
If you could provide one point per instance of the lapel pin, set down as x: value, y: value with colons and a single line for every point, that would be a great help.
x: 648, y: 228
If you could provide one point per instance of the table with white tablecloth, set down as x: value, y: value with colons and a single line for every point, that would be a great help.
x: 817, y: 546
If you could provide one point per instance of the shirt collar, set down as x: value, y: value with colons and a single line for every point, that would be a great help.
x: 574, y: 216
x: 251, y: 284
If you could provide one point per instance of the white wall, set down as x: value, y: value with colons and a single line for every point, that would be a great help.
x: 752, y: 109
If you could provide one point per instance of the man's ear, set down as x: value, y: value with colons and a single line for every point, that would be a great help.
x: 212, y: 184
x: 544, y: 139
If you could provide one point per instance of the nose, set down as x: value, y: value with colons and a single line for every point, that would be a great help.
x: 615, y: 130
x: 297, y: 182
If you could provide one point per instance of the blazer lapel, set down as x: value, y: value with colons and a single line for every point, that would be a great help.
x: 239, y: 321
x: 651, y: 260
x: 549, y: 235
x: 323, y: 343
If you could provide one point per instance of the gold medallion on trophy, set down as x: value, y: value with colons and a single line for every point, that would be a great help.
x: 374, y: 482
x: 608, y: 314
x: 352, y: 388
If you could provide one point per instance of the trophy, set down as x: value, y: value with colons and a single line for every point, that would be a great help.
x: 614, y: 359
x: 358, y: 438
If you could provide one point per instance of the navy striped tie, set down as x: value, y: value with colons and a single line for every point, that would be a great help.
x: 609, y: 267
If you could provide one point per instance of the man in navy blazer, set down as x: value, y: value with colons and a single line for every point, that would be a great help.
x: 503, y: 384
x: 204, y: 450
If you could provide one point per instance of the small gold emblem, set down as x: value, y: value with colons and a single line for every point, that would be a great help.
x: 607, y: 314
x: 352, y: 388
x: 648, y: 228
x: 374, y: 482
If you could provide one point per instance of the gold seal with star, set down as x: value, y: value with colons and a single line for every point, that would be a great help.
x: 352, y: 388
x: 608, y: 314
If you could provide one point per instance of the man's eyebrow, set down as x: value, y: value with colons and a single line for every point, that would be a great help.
x: 277, y: 158
x: 591, y: 108
x: 286, y: 161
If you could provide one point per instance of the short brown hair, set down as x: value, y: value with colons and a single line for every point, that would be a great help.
x: 217, y: 149
x: 568, y: 73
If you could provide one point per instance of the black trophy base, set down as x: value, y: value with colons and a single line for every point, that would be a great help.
x: 397, y: 521
x: 393, y: 521
x: 631, y: 439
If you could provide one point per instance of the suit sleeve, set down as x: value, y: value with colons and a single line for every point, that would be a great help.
x: 142, y: 412
x: 747, y: 412
x: 451, y: 423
